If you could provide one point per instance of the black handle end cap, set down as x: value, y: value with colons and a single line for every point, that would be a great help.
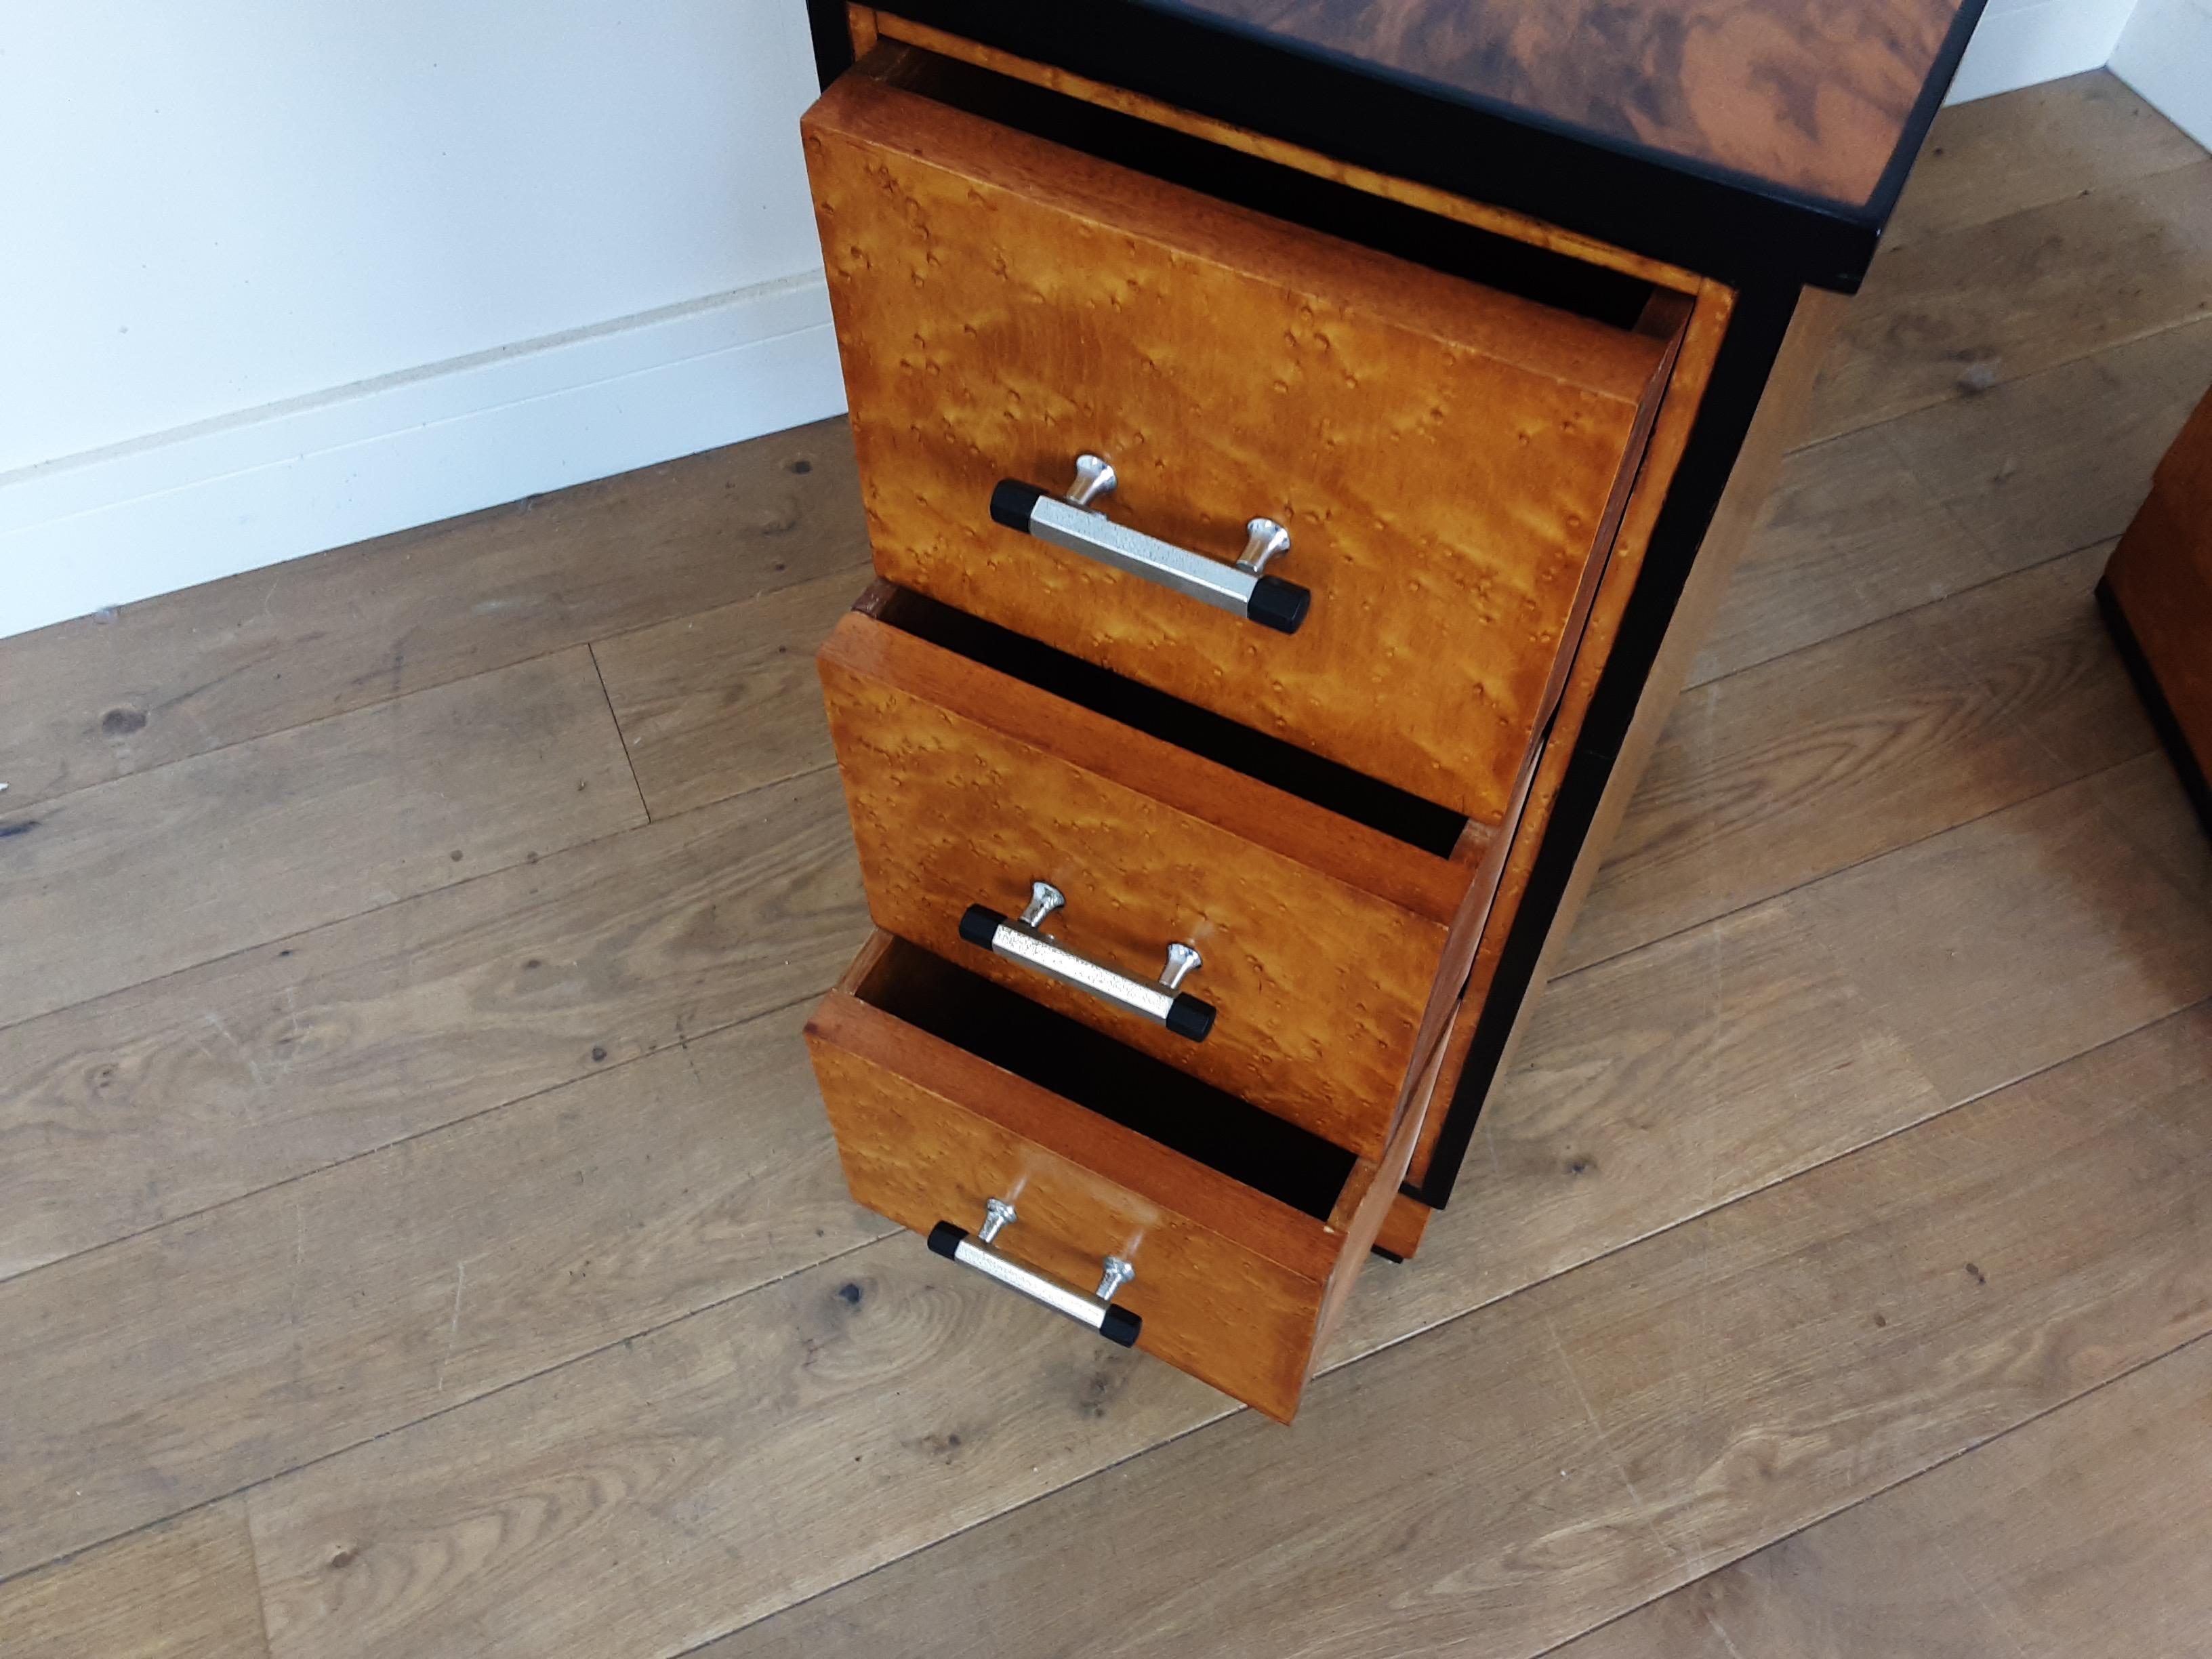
x: 1121, y: 1326
x: 944, y: 1238
x: 979, y: 925
x: 1279, y: 605
x: 1010, y: 502
x: 1190, y: 1016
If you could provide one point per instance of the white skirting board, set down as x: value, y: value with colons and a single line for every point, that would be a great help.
x: 2019, y: 43
x: 182, y: 507
x: 2165, y: 54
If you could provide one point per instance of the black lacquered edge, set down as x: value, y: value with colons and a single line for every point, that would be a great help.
x: 2163, y: 720
x: 979, y: 925
x: 1011, y: 503
x: 1279, y: 605
x: 1739, y: 379
x: 1190, y: 1016
x: 1731, y: 226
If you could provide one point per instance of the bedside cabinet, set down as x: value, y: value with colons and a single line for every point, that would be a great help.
x: 1301, y: 445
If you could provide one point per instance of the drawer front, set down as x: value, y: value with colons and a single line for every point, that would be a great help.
x: 966, y: 786
x: 1231, y: 1285
x: 1444, y: 459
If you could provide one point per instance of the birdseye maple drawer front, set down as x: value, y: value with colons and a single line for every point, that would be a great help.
x: 977, y: 765
x: 1443, y: 460
x: 1169, y: 1215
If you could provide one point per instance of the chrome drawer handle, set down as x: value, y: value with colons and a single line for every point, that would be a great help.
x: 1163, y: 1000
x: 1097, y: 1310
x: 1073, y: 523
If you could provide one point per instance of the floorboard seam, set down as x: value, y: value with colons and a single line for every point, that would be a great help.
x: 410, y: 898
x: 1464, y: 1313
x: 1845, y: 869
x: 1958, y: 394
x: 1907, y: 610
x: 622, y: 737
x: 377, y: 702
x: 246, y: 1490
x: 2029, y: 1421
x: 279, y: 1185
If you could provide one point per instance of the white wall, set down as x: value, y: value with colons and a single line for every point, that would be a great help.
x: 2165, y: 54
x: 282, y: 274
x: 2020, y: 42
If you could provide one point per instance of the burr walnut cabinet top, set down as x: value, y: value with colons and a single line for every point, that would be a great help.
x: 1742, y: 139
x: 1812, y: 96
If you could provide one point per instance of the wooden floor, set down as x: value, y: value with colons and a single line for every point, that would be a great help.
x: 419, y: 1235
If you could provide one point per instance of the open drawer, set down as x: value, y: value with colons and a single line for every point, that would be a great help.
x: 1358, y: 502
x: 1322, y: 910
x: 1242, y: 1232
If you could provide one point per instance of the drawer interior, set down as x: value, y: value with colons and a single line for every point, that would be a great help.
x: 1501, y: 263
x: 1449, y: 459
x: 1193, y: 1118
x: 1246, y: 1238
x: 1396, y: 812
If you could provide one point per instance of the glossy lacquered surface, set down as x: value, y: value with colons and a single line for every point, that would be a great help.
x: 1811, y: 96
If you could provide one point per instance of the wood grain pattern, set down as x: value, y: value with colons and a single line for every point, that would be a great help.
x: 1880, y: 1314
x: 2039, y: 144
x: 1864, y: 526
x: 1427, y: 197
x: 1443, y: 456
x: 2083, y: 1532
x: 1810, y: 96
x: 121, y: 1115
x: 676, y: 1439
x: 1773, y: 427
x: 1407, y: 1223
x: 1624, y: 566
x: 965, y: 785
x: 2161, y: 577
x: 1229, y: 1283
x: 182, y: 1591
x: 125, y: 691
x: 851, y: 1402
x: 2050, y: 284
x: 223, y: 1350
x: 2054, y: 461
x: 108, y: 887
x: 1774, y: 776
x: 1711, y: 1065
x: 713, y: 705
x: 1850, y: 536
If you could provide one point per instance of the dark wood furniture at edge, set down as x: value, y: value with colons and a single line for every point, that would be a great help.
x: 2156, y: 597
x: 1780, y: 237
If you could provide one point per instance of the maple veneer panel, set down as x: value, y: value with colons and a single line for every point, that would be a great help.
x: 1321, y: 938
x: 1229, y: 1282
x: 1445, y: 457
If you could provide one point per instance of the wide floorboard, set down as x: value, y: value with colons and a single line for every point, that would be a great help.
x: 419, y: 1234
